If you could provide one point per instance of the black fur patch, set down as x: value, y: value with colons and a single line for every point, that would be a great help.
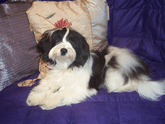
x: 137, y: 71
x: 113, y: 62
x: 98, y: 68
x: 126, y: 79
x: 81, y: 47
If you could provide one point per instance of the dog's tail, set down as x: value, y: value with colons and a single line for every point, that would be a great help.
x: 151, y: 90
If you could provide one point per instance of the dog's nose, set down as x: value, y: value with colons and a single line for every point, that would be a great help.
x: 63, y: 51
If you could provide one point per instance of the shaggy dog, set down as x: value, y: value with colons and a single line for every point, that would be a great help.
x: 77, y: 73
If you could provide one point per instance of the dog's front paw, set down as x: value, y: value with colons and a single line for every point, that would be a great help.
x: 49, y: 103
x: 47, y: 107
x: 35, y: 98
x: 30, y: 102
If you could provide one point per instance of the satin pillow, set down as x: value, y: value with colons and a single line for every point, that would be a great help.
x: 16, y: 59
x: 98, y: 12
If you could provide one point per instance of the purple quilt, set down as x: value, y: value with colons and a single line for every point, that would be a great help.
x: 104, y: 108
x: 135, y: 24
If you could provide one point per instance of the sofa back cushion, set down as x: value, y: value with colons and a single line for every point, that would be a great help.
x: 17, y: 60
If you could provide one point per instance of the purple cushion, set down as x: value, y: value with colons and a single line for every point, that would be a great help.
x: 17, y: 59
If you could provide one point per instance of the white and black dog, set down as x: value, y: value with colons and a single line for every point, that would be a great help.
x: 77, y: 73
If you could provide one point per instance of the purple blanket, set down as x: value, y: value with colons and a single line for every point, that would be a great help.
x: 135, y: 24
x: 104, y: 108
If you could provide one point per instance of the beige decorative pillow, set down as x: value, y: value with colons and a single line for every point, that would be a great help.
x: 76, y: 12
x: 88, y: 17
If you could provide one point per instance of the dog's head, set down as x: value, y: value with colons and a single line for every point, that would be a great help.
x: 63, y: 47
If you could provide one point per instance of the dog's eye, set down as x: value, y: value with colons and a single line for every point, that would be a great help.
x: 57, y: 40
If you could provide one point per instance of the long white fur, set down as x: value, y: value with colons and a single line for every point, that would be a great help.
x: 151, y: 90
x: 114, y: 81
x: 62, y: 85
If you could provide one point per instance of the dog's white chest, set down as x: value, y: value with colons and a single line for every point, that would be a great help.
x: 73, y: 77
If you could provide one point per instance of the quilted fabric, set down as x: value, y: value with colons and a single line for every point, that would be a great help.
x: 135, y: 24
x: 104, y: 108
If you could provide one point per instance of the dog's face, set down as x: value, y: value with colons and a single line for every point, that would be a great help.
x: 63, y: 47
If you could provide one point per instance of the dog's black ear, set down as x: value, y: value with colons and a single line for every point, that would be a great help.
x: 81, y: 47
x: 40, y: 46
x: 43, y: 46
x: 84, y: 54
